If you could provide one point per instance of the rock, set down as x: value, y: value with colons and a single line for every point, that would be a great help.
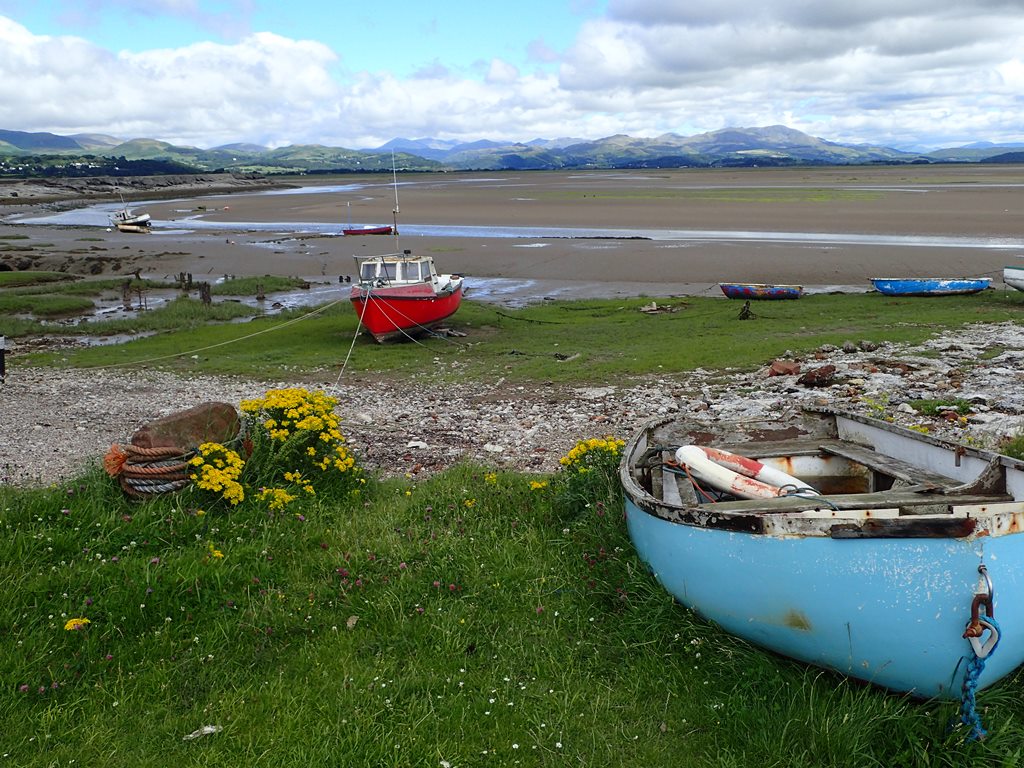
x: 783, y: 368
x: 212, y: 422
x: 818, y: 377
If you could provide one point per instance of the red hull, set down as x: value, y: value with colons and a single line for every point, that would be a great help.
x: 395, y: 312
x: 369, y: 231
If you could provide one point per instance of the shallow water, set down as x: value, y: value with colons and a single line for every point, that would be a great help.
x: 99, y: 215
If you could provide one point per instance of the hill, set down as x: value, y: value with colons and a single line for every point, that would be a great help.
x: 776, y: 145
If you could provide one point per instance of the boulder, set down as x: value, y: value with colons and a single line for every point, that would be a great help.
x: 210, y: 422
x: 784, y: 368
x: 818, y: 377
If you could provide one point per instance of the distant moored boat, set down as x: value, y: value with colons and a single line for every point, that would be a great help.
x: 761, y: 291
x: 930, y: 286
x: 1014, y: 277
x: 382, y: 230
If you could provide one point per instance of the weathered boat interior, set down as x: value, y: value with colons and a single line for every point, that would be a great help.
x: 864, y: 469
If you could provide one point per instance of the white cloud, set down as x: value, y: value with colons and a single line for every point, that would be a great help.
x: 897, y: 72
x: 917, y: 72
x: 501, y: 72
x: 207, y: 93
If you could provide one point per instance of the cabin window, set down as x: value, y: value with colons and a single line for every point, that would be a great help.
x: 388, y: 271
x: 367, y: 270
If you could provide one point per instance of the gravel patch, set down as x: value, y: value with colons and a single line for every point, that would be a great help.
x: 56, y: 422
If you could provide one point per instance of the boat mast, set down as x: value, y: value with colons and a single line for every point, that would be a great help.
x: 394, y: 213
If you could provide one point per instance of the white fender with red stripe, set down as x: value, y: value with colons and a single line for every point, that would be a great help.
x: 738, y: 475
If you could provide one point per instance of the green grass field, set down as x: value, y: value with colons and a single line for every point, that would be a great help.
x: 474, y: 618
x: 576, y: 341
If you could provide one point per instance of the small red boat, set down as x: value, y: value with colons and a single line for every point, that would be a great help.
x: 383, y: 230
x: 401, y: 295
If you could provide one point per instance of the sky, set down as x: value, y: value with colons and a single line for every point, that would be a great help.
x: 907, y: 74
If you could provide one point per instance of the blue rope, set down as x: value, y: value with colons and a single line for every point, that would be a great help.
x: 968, y: 705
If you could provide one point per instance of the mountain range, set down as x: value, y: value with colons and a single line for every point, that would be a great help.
x: 775, y: 145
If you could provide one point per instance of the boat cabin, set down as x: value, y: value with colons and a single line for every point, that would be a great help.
x: 388, y: 270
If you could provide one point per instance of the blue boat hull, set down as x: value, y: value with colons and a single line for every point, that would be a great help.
x: 874, y: 578
x: 929, y: 286
x: 761, y: 291
x: 888, y: 611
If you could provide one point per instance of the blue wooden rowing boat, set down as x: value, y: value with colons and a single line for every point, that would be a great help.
x: 887, y: 547
x: 761, y: 291
x: 930, y: 286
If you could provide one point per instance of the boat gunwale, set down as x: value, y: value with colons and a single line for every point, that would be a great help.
x: 839, y: 515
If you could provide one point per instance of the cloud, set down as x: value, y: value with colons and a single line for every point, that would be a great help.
x: 207, y: 93
x: 897, y: 72
x: 914, y: 69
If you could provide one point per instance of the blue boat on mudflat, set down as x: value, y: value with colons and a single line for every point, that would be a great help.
x: 761, y: 291
x: 930, y: 286
x: 839, y: 540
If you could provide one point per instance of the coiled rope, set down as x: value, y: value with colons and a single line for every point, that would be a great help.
x: 144, y: 472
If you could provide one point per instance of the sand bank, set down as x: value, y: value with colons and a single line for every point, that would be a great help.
x: 658, y: 233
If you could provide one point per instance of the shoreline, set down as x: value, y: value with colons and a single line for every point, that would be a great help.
x: 923, y: 228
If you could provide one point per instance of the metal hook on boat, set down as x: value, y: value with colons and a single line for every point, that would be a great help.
x: 977, y: 625
x: 982, y: 649
x: 983, y: 570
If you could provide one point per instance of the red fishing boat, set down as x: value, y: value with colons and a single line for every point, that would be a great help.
x: 386, y: 229
x: 402, y: 296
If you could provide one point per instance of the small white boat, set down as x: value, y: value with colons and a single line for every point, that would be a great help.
x: 1014, y: 277
x: 840, y: 540
x: 127, y: 220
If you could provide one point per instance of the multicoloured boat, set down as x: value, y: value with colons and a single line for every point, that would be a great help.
x: 761, y: 291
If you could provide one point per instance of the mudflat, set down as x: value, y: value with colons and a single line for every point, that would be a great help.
x: 595, y: 233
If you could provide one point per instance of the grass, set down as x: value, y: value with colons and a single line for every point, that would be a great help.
x: 29, y: 277
x: 25, y: 303
x: 43, y: 305
x: 934, y: 407
x: 580, y: 341
x: 1013, y: 447
x: 251, y: 286
x: 474, y: 618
